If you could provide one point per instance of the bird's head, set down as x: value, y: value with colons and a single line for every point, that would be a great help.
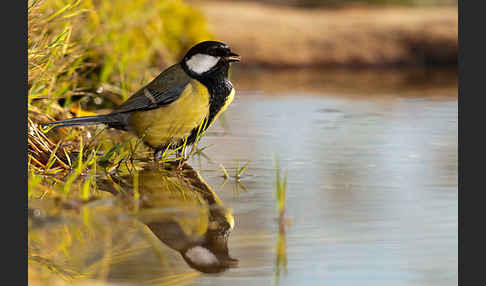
x: 208, y: 58
x: 210, y: 255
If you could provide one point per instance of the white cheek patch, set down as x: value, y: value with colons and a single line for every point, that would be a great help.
x: 200, y: 63
x: 201, y: 256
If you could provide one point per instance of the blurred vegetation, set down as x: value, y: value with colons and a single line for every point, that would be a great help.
x: 91, y: 54
x: 75, y: 45
x: 281, y: 248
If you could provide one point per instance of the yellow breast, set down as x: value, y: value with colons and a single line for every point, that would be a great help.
x: 171, y: 123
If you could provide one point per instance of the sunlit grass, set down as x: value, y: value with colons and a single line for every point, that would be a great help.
x: 85, y: 55
x: 281, y: 256
x: 225, y: 173
x: 280, y: 190
x: 95, y: 49
x: 240, y: 170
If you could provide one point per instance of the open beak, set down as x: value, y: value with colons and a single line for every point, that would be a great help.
x: 232, y: 57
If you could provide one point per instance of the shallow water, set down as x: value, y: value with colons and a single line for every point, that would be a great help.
x: 372, y: 185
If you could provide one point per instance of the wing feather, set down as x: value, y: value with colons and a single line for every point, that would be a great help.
x: 163, y: 90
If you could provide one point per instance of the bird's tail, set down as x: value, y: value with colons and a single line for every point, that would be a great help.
x: 108, y: 119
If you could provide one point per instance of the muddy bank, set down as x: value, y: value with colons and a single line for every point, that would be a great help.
x: 275, y: 36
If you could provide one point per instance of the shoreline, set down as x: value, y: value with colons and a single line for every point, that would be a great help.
x: 269, y: 36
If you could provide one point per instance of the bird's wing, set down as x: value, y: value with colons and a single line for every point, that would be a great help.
x: 163, y: 90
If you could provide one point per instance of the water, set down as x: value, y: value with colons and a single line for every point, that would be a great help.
x: 372, y: 185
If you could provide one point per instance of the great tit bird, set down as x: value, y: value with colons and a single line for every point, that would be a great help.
x: 173, y: 106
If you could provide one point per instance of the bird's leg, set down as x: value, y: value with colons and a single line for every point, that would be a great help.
x: 184, y: 158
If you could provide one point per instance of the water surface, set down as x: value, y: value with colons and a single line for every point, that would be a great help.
x: 372, y: 184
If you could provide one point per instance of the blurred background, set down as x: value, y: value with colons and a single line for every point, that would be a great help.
x: 337, y: 3
x: 356, y: 98
x: 82, y: 45
x: 350, y: 33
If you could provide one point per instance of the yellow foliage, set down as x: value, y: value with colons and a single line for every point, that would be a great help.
x: 76, y: 45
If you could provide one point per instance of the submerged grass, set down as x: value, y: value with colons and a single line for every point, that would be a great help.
x: 281, y: 249
x: 239, y: 171
x: 281, y: 191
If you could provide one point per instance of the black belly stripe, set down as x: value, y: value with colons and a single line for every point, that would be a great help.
x: 218, y: 94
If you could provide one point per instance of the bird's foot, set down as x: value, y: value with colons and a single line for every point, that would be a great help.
x: 182, y: 162
x: 158, y: 155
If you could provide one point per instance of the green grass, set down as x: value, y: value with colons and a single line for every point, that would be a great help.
x: 280, y: 190
x: 225, y: 173
x: 89, y: 55
x: 281, y: 248
x: 240, y: 170
x: 86, y: 56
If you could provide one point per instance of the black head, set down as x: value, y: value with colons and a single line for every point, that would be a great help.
x: 206, y: 260
x: 210, y: 255
x: 208, y: 58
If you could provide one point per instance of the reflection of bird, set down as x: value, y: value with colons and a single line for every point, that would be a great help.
x: 171, y: 107
x: 187, y: 215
